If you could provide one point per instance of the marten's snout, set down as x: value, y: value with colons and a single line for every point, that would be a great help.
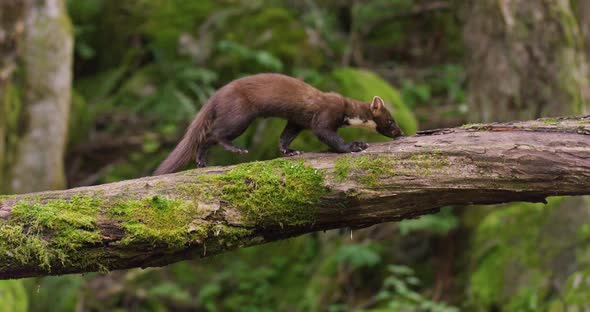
x: 391, y: 132
x: 390, y: 129
x: 396, y: 133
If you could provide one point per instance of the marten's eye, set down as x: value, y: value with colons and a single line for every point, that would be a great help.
x: 392, y: 123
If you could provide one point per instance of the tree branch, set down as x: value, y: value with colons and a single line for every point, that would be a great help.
x: 159, y: 220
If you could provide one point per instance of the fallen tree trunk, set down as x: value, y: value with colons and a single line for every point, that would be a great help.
x: 159, y: 220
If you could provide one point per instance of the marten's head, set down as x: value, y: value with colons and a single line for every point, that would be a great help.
x: 376, y: 117
x: 385, y: 124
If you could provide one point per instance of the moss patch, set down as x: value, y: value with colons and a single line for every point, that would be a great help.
x: 157, y: 221
x: 3, y: 197
x: 48, y: 233
x: 425, y: 164
x: 472, y: 125
x: 278, y: 191
x: 369, y: 169
x: 549, y: 121
x: 71, y: 224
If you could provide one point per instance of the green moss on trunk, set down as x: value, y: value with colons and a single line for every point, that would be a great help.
x: 278, y: 191
x: 70, y: 231
x: 370, y: 169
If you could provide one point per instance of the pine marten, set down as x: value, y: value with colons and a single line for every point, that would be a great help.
x: 234, y: 107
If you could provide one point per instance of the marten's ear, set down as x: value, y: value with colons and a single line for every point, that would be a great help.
x: 377, y: 105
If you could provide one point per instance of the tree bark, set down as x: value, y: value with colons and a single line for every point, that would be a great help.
x: 159, y: 220
x: 583, y: 15
x: 35, y: 104
x: 526, y: 60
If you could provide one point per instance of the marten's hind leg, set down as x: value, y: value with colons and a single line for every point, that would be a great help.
x: 228, y: 146
x: 229, y: 128
x: 201, y: 155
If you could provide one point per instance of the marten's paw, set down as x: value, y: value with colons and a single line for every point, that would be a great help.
x: 357, y: 146
x: 290, y: 152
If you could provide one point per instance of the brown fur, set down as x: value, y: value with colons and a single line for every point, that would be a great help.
x: 234, y: 107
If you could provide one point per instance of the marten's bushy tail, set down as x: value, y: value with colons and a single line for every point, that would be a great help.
x: 186, y: 150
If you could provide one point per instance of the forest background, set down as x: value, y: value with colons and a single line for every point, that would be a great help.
x: 98, y: 91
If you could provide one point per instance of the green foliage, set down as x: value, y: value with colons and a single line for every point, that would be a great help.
x: 11, y: 116
x: 84, y: 15
x: 153, y: 90
x: 401, y: 39
x: 164, y: 21
x: 358, y: 256
x: 81, y: 119
x: 397, y: 293
x: 576, y: 292
x: 440, y: 223
x: 510, y: 245
x: 13, y: 296
x: 172, y: 292
x: 245, y: 281
x: 267, y: 38
x: 440, y: 83
x: 263, y: 58
x: 41, y: 292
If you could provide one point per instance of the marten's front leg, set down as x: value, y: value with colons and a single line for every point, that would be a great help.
x: 291, y: 131
x: 332, y: 139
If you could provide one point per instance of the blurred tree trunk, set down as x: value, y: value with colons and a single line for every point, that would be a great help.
x: 36, y: 46
x: 583, y: 10
x: 11, y: 33
x: 35, y: 86
x: 527, y: 60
